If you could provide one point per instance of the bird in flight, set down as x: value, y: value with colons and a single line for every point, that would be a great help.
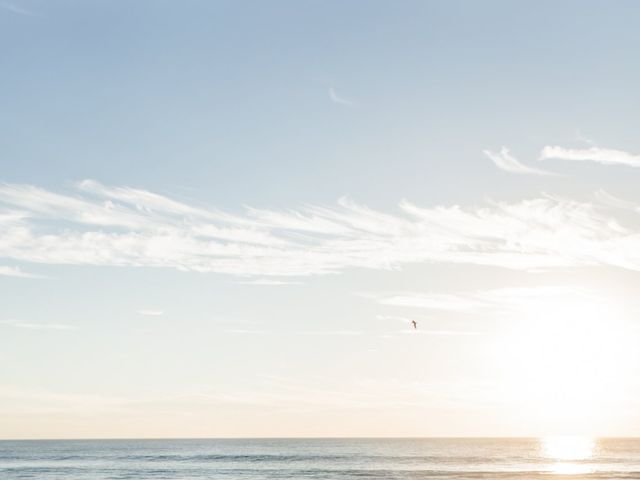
x: 415, y: 324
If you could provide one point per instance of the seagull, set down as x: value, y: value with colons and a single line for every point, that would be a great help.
x: 415, y: 324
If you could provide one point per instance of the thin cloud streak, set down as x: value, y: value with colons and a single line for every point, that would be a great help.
x: 441, y: 333
x: 606, y: 198
x: 36, y: 326
x: 507, y: 162
x: 583, y: 138
x: 605, y: 156
x: 484, y: 301
x: 335, y: 98
x: 10, y: 7
x: 121, y: 226
x: 267, y: 282
x: 314, y: 394
x: 298, y: 333
x: 394, y: 318
x: 16, y: 272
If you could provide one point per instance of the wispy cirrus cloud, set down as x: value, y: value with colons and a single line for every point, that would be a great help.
x: 581, y: 137
x: 607, y: 199
x: 507, y: 162
x: 335, y: 98
x: 122, y: 226
x: 16, y: 272
x: 605, y: 156
x: 36, y: 326
x: 15, y: 9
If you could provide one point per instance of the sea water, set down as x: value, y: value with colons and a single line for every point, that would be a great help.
x: 320, y: 459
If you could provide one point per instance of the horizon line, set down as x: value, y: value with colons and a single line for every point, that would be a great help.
x: 453, y: 437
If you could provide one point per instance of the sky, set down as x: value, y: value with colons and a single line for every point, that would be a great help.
x: 219, y: 218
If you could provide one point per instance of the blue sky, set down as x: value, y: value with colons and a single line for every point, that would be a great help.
x: 218, y: 218
x: 193, y: 95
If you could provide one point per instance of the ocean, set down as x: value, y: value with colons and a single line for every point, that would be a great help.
x: 212, y: 459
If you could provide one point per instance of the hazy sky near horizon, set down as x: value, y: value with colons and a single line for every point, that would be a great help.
x: 218, y: 218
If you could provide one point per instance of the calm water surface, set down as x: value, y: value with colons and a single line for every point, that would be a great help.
x: 573, y: 458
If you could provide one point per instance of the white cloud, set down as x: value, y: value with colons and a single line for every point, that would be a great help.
x: 36, y: 326
x: 121, y: 226
x: 507, y: 162
x: 605, y: 156
x: 16, y: 272
x: 151, y: 312
x: 335, y: 98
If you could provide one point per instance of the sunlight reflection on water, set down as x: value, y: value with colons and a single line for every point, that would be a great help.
x: 568, y: 454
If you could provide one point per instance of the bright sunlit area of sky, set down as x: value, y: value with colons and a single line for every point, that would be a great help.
x: 221, y: 218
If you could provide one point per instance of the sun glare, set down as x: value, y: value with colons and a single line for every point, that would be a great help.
x: 568, y: 448
x: 568, y: 454
x: 565, y: 363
